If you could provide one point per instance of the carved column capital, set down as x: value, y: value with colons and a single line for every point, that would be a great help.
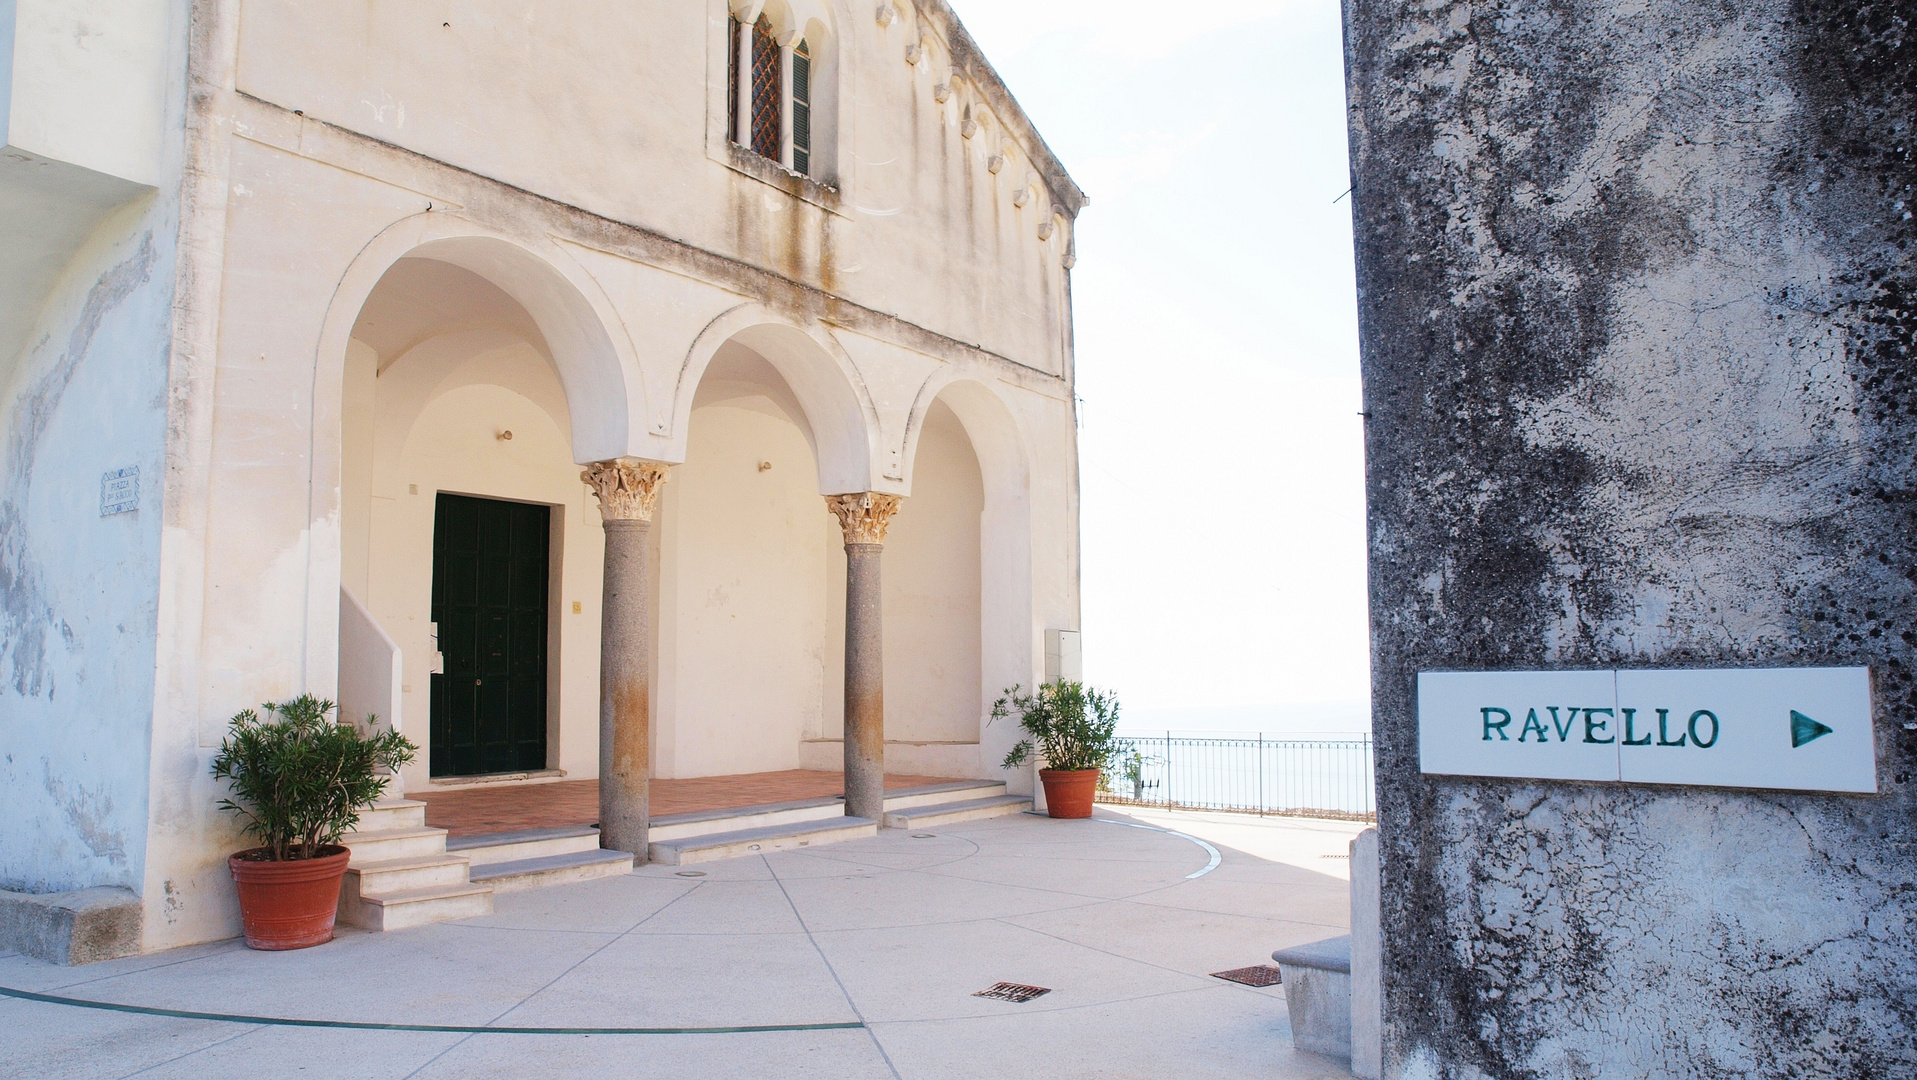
x: 628, y: 488
x: 864, y: 515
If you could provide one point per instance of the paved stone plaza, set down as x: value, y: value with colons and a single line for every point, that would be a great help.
x: 876, y: 946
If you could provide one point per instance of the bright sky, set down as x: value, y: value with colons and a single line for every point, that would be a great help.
x: 1223, y: 462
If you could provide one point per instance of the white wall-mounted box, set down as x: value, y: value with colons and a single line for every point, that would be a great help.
x: 1064, y: 660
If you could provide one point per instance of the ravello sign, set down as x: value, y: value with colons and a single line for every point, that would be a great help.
x: 1803, y: 729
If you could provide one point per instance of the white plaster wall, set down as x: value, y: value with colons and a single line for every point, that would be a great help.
x: 441, y: 409
x: 358, y: 424
x: 931, y: 577
x: 746, y: 614
x: 85, y: 82
x: 78, y: 590
x: 751, y: 601
x: 83, y: 88
x: 370, y: 670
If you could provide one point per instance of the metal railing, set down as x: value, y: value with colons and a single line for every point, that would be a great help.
x: 1321, y: 778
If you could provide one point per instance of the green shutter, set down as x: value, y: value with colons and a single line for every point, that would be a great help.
x: 801, y: 109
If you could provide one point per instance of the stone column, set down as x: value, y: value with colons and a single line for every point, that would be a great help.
x: 628, y: 489
x: 864, y: 517
x: 785, y: 98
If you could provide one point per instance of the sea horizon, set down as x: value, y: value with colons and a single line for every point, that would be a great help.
x: 1333, y: 719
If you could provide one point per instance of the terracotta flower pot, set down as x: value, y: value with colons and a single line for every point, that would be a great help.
x: 290, y: 904
x: 1068, y: 792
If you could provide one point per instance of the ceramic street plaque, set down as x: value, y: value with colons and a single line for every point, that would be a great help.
x: 1803, y: 729
x: 1528, y: 724
x: 120, y: 491
x: 1806, y: 729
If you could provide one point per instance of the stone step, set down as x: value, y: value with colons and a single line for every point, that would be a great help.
x: 934, y: 794
x: 734, y: 819
x: 417, y: 907
x: 382, y: 845
x: 400, y: 875
x: 520, y: 874
x: 926, y: 817
x: 486, y: 848
x: 727, y: 845
x: 766, y: 815
x: 392, y: 814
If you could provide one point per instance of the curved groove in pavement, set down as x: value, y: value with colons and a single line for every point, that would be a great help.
x: 455, y: 1029
x: 1216, y: 858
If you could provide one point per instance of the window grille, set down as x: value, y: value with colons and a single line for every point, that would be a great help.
x: 766, y: 90
x: 801, y: 109
x: 732, y: 80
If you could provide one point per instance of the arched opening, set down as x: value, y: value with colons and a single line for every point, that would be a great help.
x: 750, y: 581
x: 470, y: 553
x: 934, y: 701
x: 962, y: 434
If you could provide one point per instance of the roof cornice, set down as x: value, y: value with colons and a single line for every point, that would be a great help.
x: 968, y: 58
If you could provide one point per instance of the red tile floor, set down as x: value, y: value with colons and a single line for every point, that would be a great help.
x: 491, y: 808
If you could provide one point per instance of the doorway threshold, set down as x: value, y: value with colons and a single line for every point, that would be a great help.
x: 535, y: 776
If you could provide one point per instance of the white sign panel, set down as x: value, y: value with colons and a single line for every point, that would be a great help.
x: 1802, y: 729
x: 1517, y: 723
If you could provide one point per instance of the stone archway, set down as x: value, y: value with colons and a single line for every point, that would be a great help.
x: 1007, y: 624
x: 436, y: 329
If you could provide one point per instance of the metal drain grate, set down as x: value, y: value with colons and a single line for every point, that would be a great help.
x: 1259, y: 975
x: 1015, y: 992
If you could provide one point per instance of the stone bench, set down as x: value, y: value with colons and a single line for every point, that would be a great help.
x: 1332, y: 987
x: 1317, y: 981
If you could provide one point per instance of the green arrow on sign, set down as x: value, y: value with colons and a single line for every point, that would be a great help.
x: 1804, y: 729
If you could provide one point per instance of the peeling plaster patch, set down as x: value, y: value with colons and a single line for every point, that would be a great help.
x: 88, y: 811
x: 26, y: 617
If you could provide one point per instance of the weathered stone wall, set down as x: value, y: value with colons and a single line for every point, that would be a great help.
x: 1637, y: 311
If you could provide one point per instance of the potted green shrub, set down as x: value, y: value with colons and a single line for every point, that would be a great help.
x: 1074, y: 730
x: 299, y: 780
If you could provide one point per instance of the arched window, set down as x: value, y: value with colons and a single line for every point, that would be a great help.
x: 766, y: 80
x: 770, y: 109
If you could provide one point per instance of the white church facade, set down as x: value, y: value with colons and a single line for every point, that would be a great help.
x: 612, y: 390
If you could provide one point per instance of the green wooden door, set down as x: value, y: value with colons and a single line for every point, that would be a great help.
x: 490, y: 561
